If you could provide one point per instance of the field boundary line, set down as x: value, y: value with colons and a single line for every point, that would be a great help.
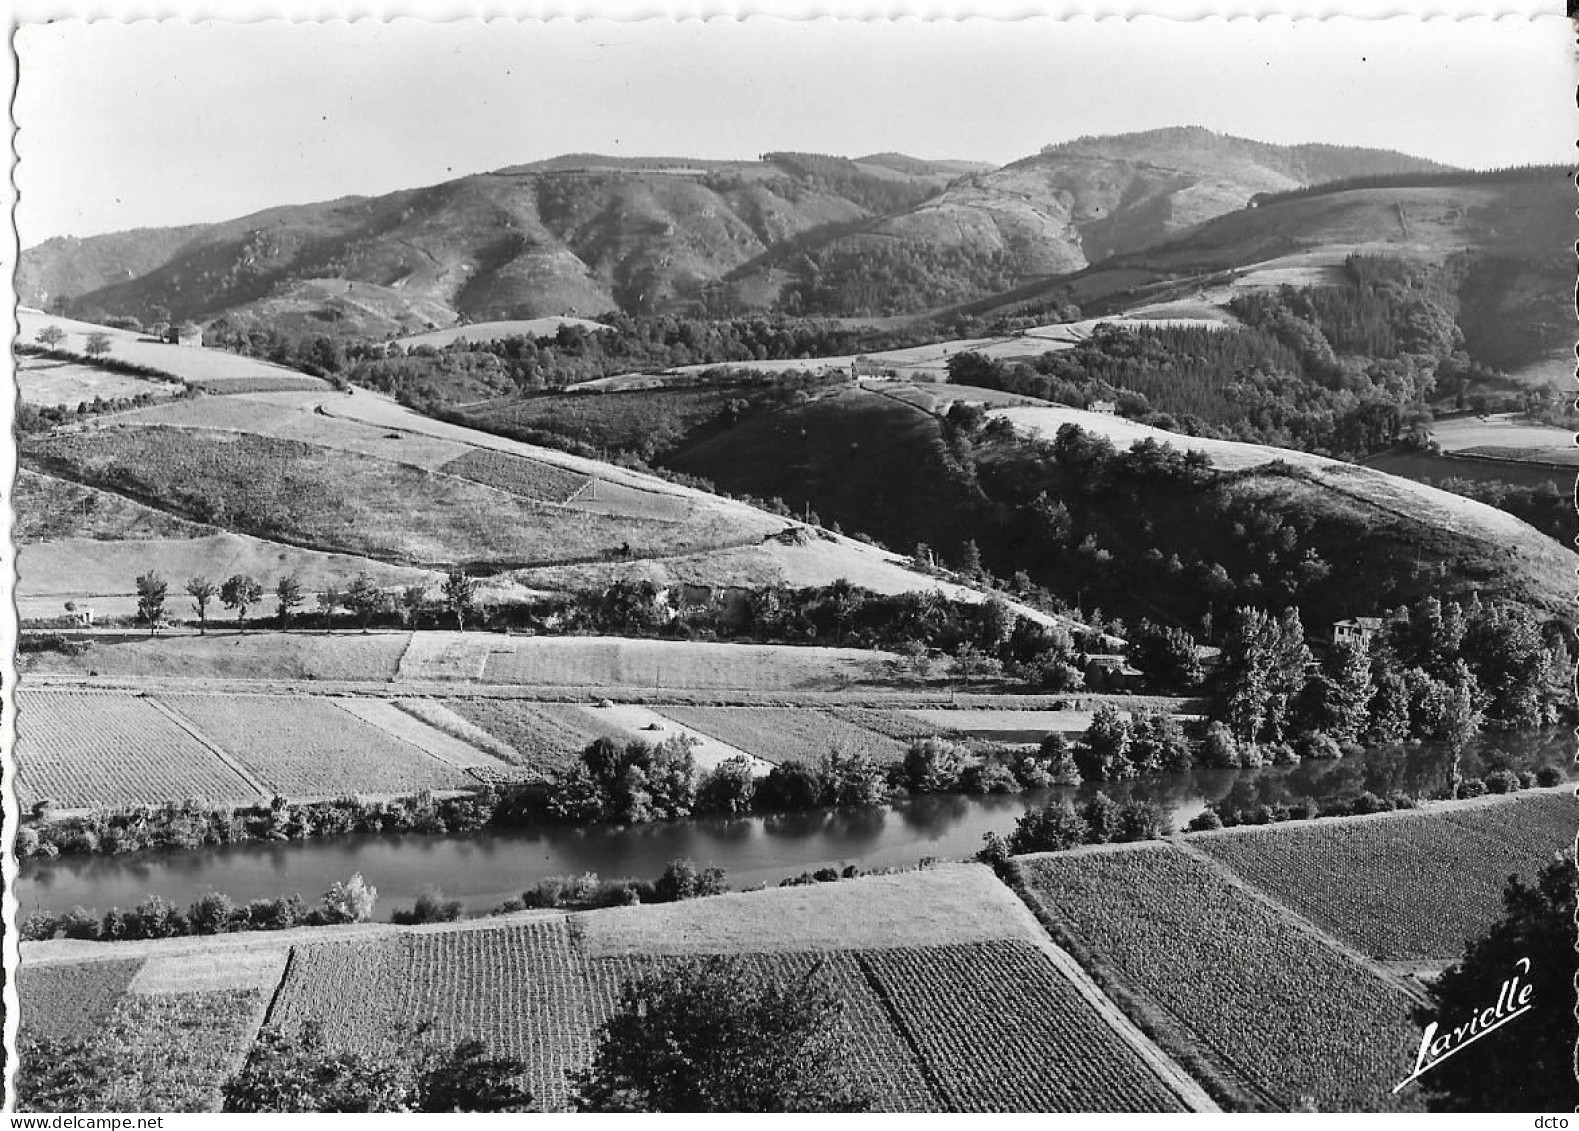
x: 941, y: 1094
x: 219, y: 751
x: 1302, y: 924
x: 1174, y: 1077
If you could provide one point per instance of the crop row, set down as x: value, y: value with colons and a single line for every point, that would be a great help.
x: 890, y: 724
x: 1003, y: 1030
x: 1417, y: 885
x: 525, y: 477
x: 87, y: 750
x: 540, y: 742
x: 1294, y: 1016
x: 70, y: 1001
x: 309, y: 746
x: 778, y: 734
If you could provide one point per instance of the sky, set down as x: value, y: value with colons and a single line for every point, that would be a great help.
x: 163, y: 123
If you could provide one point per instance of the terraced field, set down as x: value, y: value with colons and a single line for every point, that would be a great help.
x: 778, y: 734
x: 89, y: 749
x: 309, y: 747
x: 592, y: 661
x: 1414, y: 885
x: 1294, y: 1018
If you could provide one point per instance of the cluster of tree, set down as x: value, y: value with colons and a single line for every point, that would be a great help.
x: 1451, y: 178
x: 42, y: 418
x: 191, y: 824
x: 212, y: 914
x: 1437, y: 671
x: 1223, y: 814
x: 681, y: 880
x: 1542, y: 506
x: 839, y: 176
x: 1063, y: 825
x: 986, y: 638
x: 878, y: 277
x: 362, y: 597
x: 518, y: 363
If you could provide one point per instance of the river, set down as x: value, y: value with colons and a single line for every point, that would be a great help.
x: 486, y: 869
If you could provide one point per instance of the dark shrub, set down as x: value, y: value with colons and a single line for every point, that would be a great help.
x: 1548, y: 776
x: 1101, y: 814
x: 1208, y: 819
x: 1398, y: 799
x: 728, y: 788
x: 80, y: 923
x: 683, y: 880
x: 989, y: 777
x: 1368, y: 802
x: 212, y: 914
x: 1049, y: 829
x: 1317, y: 745
x: 1142, y: 820
x: 38, y: 926
x: 1471, y: 787
x: 1501, y: 781
x: 933, y: 765
x: 431, y: 907
x: 1526, y: 779
x: 791, y: 785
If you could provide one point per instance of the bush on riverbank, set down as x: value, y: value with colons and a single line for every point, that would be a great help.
x: 212, y: 914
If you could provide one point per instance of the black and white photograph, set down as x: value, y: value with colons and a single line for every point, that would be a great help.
x: 767, y: 564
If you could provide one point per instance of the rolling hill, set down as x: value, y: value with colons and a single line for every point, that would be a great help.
x: 325, y: 483
x: 585, y: 234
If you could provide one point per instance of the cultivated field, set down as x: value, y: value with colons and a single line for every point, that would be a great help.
x: 536, y: 742
x: 780, y: 734
x: 47, y: 383
x: 1508, y: 437
x: 593, y: 661
x: 302, y: 746
x: 1294, y: 1019
x: 524, y: 477
x: 47, y: 509
x: 1003, y: 1030
x: 953, y: 998
x: 1411, y: 885
x: 1005, y: 726
x: 172, y: 1047
x: 88, y: 749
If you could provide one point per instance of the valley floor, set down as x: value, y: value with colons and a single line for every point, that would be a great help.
x: 1186, y: 974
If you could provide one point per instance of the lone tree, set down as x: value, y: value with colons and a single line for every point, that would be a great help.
x: 1528, y: 1064
x: 412, y: 599
x: 460, y: 592
x: 151, y: 591
x: 240, y: 592
x: 329, y: 599
x: 364, y: 598
x: 51, y: 336
x: 202, y: 591
x: 98, y: 343
x: 717, y: 1036
x: 288, y: 596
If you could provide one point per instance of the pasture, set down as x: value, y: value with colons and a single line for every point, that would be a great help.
x: 47, y: 509
x: 271, y: 488
x: 493, y: 331
x: 213, y: 367
x: 1413, y: 885
x: 1287, y: 1016
x: 46, y: 383
x: 230, y: 655
x: 1506, y: 433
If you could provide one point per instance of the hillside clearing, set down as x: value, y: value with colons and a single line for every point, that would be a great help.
x: 47, y: 383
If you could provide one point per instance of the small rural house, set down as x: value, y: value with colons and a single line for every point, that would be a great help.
x: 189, y: 335
x: 1106, y: 408
x: 1356, y: 630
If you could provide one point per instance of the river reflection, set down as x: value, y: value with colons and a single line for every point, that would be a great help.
x: 486, y: 869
